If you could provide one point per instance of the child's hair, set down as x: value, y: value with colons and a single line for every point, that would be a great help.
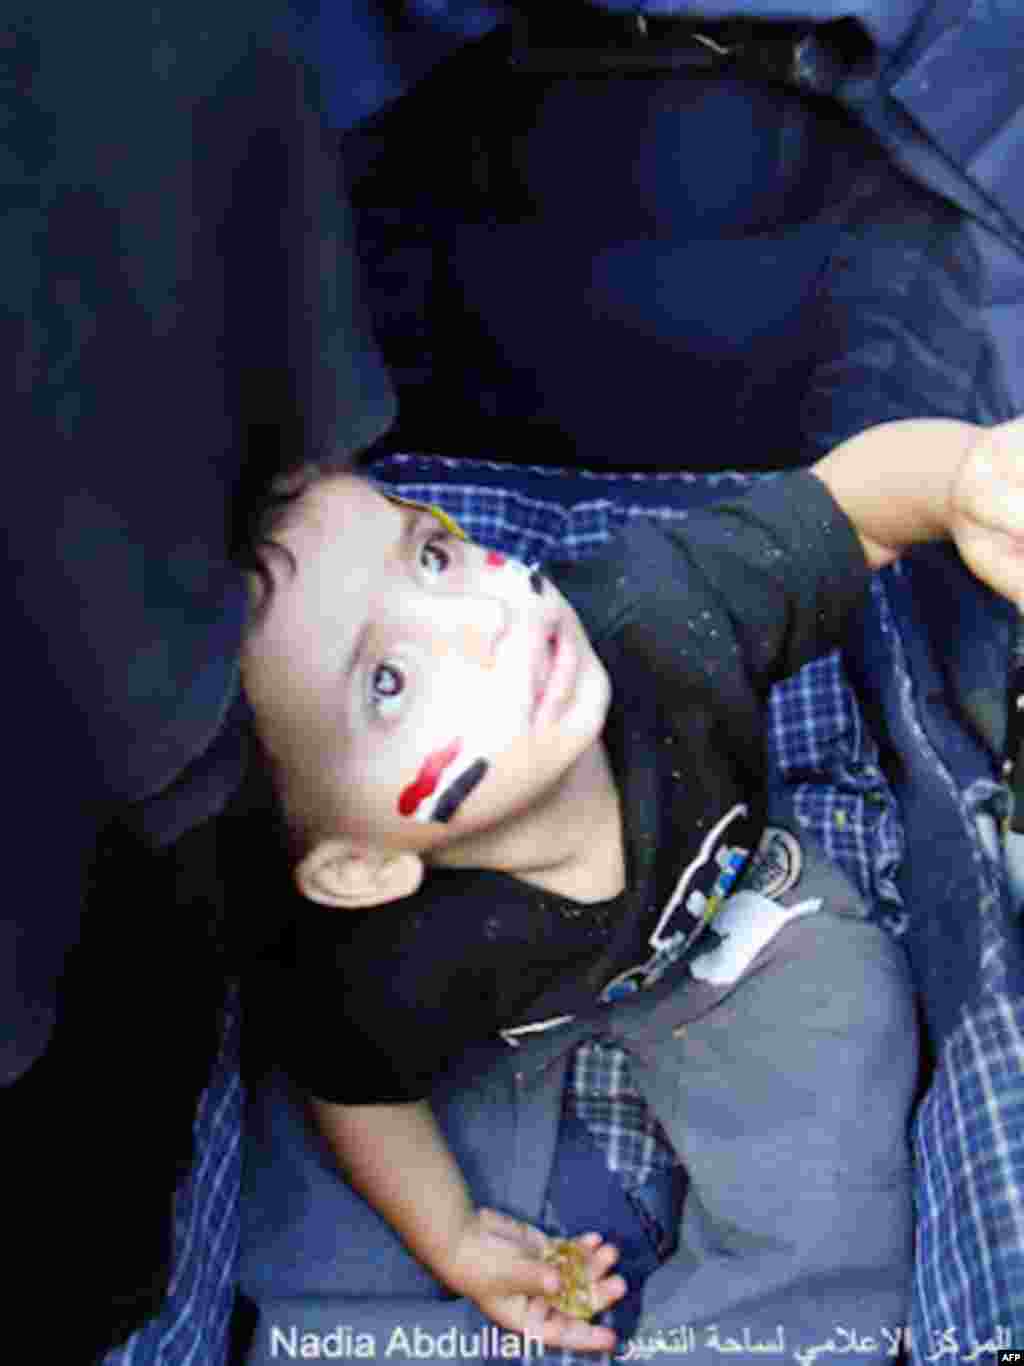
x: 258, y: 841
x: 260, y: 512
x: 262, y: 509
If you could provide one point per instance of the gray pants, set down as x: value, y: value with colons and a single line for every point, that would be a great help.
x: 786, y: 1094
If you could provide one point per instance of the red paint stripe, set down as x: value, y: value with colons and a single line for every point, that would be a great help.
x: 494, y: 559
x: 427, y: 778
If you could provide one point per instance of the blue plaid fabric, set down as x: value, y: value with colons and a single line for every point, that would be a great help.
x: 193, y: 1327
x: 969, y: 1136
x: 604, y: 1097
x: 969, y: 1132
x: 600, y: 1093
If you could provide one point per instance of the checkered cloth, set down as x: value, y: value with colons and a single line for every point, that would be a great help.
x: 969, y: 1143
x: 601, y: 1094
x: 193, y: 1328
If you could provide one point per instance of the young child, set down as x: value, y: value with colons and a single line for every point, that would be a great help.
x: 515, y: 805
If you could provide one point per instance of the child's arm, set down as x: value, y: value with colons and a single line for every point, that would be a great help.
x: 396, y: 1157
x: 929, y: 478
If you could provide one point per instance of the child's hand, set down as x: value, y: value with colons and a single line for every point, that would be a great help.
x: 497, y: 1265
x: 987, y: 509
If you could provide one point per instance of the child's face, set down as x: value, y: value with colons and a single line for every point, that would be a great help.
x: 424, y: 687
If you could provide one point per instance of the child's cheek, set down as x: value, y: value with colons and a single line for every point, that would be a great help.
x: 475, y: 716
x: 437, y: 771
x: 513, y: 573
x: 443, y: 783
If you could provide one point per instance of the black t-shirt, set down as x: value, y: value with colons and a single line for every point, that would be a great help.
x: 694, y: 626
x: 468, y: 954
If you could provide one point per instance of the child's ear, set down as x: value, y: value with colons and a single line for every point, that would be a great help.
x: 346, y: 876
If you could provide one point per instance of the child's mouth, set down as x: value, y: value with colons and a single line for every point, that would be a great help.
x: 546, y: 668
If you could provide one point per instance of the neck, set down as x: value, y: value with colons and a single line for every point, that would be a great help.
x: 570, y: 842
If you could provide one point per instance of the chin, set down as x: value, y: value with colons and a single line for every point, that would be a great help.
x: 507, y: 805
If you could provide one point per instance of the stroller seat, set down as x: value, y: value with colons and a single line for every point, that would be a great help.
x: 607, y: 287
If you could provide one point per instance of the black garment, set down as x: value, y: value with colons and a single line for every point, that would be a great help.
x: 694, y: 626
x: 180, y: 311
x: 180, y: 308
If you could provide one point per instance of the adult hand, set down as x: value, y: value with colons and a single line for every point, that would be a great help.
x: 987, y: 509
x: 497, y: 1264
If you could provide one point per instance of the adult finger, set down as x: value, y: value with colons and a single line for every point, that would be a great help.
x: 996, y: 559
x: 989, y: 487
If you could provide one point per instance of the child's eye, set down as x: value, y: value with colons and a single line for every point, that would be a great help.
x: 387, y: 683
x: 434, y: 558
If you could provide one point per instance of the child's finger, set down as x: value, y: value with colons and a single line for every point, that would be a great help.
x: 513, y: 1272
x: 537, y: 1278
x: 554, y: 1329
x: 603, y: 1259
x: 540, y: 1322
x: 601, y: 1255
x: 581, y: 1336
x: 607, y: 1293
x: 533, y: 1278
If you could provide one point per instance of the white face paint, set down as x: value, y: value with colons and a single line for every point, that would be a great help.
x: 477, y: 704
x: 473, y: 711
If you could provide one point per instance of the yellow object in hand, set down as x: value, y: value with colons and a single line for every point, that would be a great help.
x: 570, y: 1261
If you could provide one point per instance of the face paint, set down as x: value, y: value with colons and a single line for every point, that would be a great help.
x: 516, y: 568
x: 458, y: 790
x: 485, y: 719
x: 461, y: 783
x: 427, y: 779
x: 495, y: 559
x: 449, y: 523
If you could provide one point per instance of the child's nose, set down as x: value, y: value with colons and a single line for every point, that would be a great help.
x: 475, y: 624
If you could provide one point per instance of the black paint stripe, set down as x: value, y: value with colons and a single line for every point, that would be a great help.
x: 456, y: 793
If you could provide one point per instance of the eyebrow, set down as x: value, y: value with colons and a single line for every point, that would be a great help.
x: 410, y: 521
